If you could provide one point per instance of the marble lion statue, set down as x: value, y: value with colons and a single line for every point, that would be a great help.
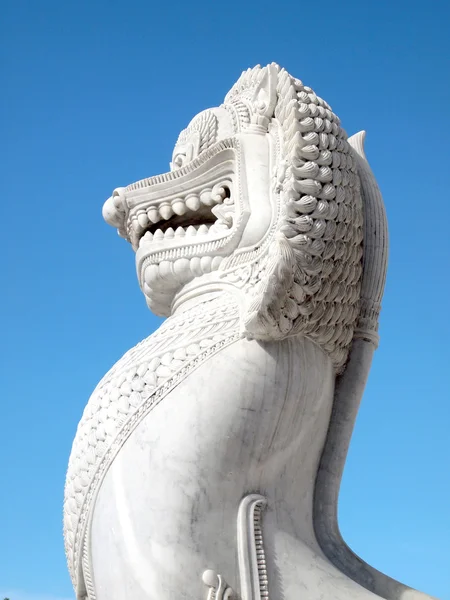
x: 208, y: 460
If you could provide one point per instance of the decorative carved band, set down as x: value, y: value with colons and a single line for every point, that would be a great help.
x: 252, y: 560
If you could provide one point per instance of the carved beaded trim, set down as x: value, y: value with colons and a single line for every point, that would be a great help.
x: 251, y: 555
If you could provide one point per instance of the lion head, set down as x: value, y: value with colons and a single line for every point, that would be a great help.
x: 263, y: 199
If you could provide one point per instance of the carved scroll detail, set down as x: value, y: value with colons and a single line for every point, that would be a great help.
x: 252, y: 559
x: 218, y: 588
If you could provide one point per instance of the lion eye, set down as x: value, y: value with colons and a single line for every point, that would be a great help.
x: 179, y: 160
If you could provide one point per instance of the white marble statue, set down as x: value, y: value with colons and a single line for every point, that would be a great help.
x: 208, y: 460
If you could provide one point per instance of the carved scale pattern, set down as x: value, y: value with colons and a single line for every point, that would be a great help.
x: 139, y: 380
x: 318, y: 294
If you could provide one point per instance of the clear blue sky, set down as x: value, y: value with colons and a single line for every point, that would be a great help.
x: 93, y: 96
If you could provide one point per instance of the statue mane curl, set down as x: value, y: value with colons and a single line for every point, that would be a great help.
x: 310, y: 281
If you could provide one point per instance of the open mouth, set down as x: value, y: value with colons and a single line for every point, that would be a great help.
x: 175, y: 205
x: 210, y: 211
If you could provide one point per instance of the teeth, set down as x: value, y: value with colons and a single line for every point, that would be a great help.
x: 179, y: 207
x: 147, y: 237
x: 222, y: 207
x: 153, y: 215
x: 193, y: 203
x: 165, y: 269
x: 206, y: 197
x: 151, y: 275
x: 216, y: 262
x: 218, y: 193
x: 137, y: 228
x: 195, y: 266
x: 205, y: 263
x: 220, y: 226
x: 165, y: 211
x: 182, y: 270
x: 223, y: 213
x: 143, y: 220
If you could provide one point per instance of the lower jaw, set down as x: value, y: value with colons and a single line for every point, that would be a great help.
x: 162, y: 282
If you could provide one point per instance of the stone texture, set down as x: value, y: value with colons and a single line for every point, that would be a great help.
x: 208, y: 461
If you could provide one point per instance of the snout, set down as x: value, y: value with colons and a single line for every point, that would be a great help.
x: 114, y: 209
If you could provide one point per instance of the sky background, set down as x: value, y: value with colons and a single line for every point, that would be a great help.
x: 94, y: 94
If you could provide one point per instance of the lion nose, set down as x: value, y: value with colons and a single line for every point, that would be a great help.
x: 114, y: 208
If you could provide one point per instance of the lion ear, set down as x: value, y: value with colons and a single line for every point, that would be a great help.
x: 376, y: 244
x: 264, y: 95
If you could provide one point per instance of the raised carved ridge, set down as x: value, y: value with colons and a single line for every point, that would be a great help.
x: 148, y: 181
x: 375, y: 257
x: 252, y: 560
